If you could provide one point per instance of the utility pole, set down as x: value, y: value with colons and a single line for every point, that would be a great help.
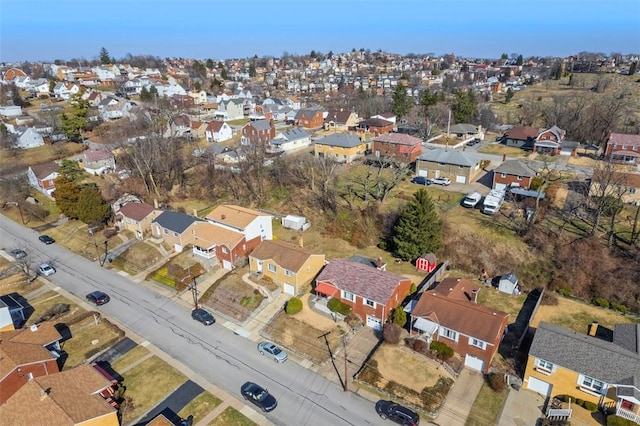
x: 194, y: 292
x: 105, y: 253
x: 346, y: 374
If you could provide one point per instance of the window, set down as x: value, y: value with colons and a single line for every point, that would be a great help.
x: 544, y: 366
x: 348, y: 296
x: 224, y: 250
x: 519, y: 177
x: 370, y: 303
x: 477, y: 343
x: 504, y: 175
x: 288, y: 273
x: 166, y: 231
x: 589, y: 384
x: 449, y: 334
x: 271, y: 267
x: 175, y: 234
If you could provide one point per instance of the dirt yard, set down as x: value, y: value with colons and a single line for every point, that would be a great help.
x: 313, y: 318
x: 232, y: 296
x: 398, y: 363
x: 577, y: 316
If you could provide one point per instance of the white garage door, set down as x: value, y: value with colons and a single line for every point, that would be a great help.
x: 227, y: 265
x: 289, y: 289
x: 424, y: 173
x: 500, y: 186
x: 461, y: 179
x: 539, y: 386
x: 473, y: 362
x: 374, y: 322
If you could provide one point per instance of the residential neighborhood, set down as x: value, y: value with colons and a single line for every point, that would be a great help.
x: 208, y: 215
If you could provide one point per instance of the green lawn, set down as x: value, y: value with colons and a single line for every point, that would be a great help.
x: 231, y: 417
x: 499, y: 149
x: 129, y: 358
x: 486, y: 408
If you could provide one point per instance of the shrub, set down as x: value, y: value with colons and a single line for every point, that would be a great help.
x: 370, y: 373
x: 549, y: 299
x: 600, y: 301
x: 337, y: 305
x: 565, y: 291
x: 110, y: 232
x: 496, y: 382
x: 382, y: 245
x: 413, y: 288
x: 613, y: 420
x: 418, y: 345
x: 591, y: 406
x: 442, y: 350
x: 619, y: 307
x: 579, y: 402
x: 294, y: 305
x: 391, y: 333
x: 399, y: 317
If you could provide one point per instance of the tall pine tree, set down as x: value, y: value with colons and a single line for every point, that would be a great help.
x: 419, y: 229
x: 400, y: 102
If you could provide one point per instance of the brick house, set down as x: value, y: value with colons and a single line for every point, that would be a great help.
x: 513, y: 173
x: 258, y: 133
x: 42, y: 177
x: 309, y: 118
x: 623, y: 148
x: 460, y: 167
x: 371, y: 292
x: 214, y: 241
x: 137, y: 218
x: 340, y: 147
x: 450, y: 314
x: 25, y: 354
x: 174, y: 228
x: 375, y: 126
x: 548, y: 141
x: 291, y: 267
x: 398, y: 147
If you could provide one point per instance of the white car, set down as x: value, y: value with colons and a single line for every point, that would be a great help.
x: 441, y: 181
x: 272, y: 351
x: 46, y: 269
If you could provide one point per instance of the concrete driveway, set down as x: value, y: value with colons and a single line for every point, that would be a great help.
x: 461, y: 398
x: 522, y: 408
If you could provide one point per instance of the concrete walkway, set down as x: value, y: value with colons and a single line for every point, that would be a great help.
x: 522, y: 408
x: 461, y: 398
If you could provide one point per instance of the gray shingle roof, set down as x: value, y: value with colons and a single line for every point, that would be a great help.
x: 295, y: 134
x: 175, y: 221
x: 456, y: 158
x: 606, y: 361
x: 463, y: 128
x: 515, y: 168
x: 340, y: 139
x: 260, y: 124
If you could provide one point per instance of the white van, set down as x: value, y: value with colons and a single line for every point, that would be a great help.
x: 471, y: 200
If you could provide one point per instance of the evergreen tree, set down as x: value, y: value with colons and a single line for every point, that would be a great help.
x: 509, y: 95
x: 210, y: 64
x: 153, y: 93
x: 66, y: 195
x: 144, y: 94
x: 223, y: 74
x: 504, y: 56
x: 74, y: 120
x: 632, y: 68
x: 71, y: 170
x: 92, y: 208
x: 520, y: 60
x: 252, y: 70
x: 104, y: 56
x: 399, y: 316
x: 400, y: 102
x: 419, y: 229
x: 465, y: 107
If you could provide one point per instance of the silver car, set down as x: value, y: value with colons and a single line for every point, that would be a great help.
x: 273, y: 351
x: 46, y: 269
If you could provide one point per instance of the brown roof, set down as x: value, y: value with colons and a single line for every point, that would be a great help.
x: 362, y: 280
x: 215, y: 126
x: 235, y: 216
x: 398, y: 138
x: 286, y: 255
x: 629, y: 180
x: 136, y: 211
x: 624, y: 139
x: 97, y: 155
x: 338, y: 116
x: 66, y: 398
x: 209, y: 234
x: 523, y: 133
x: 45, y: 169
x: 41, y: 334
x: 375, y: 122
x: 450, y: 305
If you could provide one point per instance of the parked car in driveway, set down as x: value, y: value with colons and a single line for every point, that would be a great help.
x: 18, y: 254
x: 442, y: 181
x: 98, y: 298
x: 46, y: 269
x: 397, y: 413
x: 46, y: 239
x: 421, y: 180
x: 272, y: 351
x: 259, y: 396
x: 202, y: 316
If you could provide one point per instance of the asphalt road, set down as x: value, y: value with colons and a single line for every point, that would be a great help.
x: 215, y: 353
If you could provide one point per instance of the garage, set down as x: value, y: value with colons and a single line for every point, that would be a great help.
x: 227, y: 265
x: 473, y: 363
x: 500, y: 186
x: 461, y: 179
x: 289, y: 289
x: 373, y: 322
x: 537, y: 385
x: 423, y: 173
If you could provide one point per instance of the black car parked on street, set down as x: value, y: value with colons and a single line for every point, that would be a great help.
x: 397, y: 413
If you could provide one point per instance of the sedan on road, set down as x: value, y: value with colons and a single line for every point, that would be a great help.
x: 259, y: 396
x: 202, y: 316
x: 98, y: 298
x: 18, y: 254
x: 273, y: 351
x: 46, y: 239
x: 46, y: 269
x: 397, y: 413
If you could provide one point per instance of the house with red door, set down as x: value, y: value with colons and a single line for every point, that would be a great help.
x: 513, y: 173
x: 25, y: 354
x: 371, y: 292
x: 398, y: 147
x: 623, y: 148
x: 258, y: 133
x: 449, y: 313
x: 42, y: 177
x: 309, y: 118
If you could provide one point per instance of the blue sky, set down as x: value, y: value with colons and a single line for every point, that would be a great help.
x: 65, y: 29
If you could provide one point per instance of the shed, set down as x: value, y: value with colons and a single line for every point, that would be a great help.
x: 507, y: 283
x: 298, y: 223
x: 426, y: 262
